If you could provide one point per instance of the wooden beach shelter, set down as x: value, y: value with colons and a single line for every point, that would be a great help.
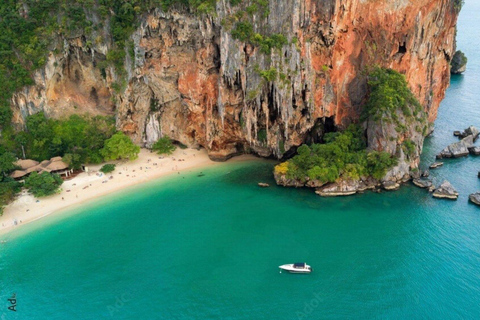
x: 17, y: 174
x: 26, y: 163
x: 58, y: 166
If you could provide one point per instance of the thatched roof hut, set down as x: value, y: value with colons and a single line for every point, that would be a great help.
x: 57, y: 165
x: 25, y: 164
x: 37, y: 168
x: 28, y: 166
x: 18, y: 174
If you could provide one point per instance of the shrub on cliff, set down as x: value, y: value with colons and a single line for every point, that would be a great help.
x: 44, y: 184
x: 164, y: 145
x: 119, y: 146
x: 389, y: 92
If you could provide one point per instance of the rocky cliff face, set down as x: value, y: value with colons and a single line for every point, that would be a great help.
x: 191, y: 80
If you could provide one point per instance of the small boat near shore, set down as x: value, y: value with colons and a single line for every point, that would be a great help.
x: 300, y: 267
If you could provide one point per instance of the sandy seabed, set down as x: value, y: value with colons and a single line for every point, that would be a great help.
x: 93, y: 184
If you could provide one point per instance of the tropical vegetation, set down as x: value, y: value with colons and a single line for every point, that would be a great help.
x: 119, y: 147
x: 164, y: 145
x: 107, y: 168
x: 343, y: 155
x: 43, y: 184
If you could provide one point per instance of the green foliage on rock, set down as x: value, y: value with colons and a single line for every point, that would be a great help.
x: 389, y: 92
x: 164, y: 145
x: 458, y: 4
x: 44, y: 184
x: 107, y: 168
x: 344, y: 155
x: 409, y: 147
x: 118, y: 147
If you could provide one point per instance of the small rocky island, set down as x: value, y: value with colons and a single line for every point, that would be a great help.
x: 381, y: 152
x: 458, y: 63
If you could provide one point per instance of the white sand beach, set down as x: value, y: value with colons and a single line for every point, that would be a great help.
x: 87, y: 186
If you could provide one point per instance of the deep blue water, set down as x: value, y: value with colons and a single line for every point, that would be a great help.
x: 208, y: 247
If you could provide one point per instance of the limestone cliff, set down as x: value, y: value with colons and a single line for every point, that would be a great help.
x: 191, y: 79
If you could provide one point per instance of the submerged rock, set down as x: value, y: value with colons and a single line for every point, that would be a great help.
x: 435, y: 165
x: 426, y: 174
x: 446, y: 191
x: 475, y: 198
x: 423, y: 183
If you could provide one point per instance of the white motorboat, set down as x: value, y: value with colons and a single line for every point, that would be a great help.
x: 300, y: 267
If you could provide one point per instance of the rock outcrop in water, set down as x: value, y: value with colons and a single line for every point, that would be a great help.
x: 446, y: 191
x: 463, y: 147
x: 189, y: 78
x: 459, y: 63
x: 475, y: 198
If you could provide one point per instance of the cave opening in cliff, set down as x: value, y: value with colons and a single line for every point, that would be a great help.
x: 402, y: 48
x: 319, y: 129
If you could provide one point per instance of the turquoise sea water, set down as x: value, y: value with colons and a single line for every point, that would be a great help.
x: 208, y: 247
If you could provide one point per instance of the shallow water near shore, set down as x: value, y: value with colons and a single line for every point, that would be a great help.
x: 209, y: 247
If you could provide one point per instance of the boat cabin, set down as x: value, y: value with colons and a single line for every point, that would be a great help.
x: 299, y: 265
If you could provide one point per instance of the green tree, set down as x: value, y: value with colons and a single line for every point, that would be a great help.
x: 379, y: 163
x: 73, y: 160
x: 342, y: 156
x: 44, y: 184
x: 8, y: 189
x: 107, y: 168
x: 7, y: 165
x: 119, y: 146
x: 164, y: 145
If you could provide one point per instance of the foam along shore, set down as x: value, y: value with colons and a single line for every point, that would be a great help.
x: 92, y: 184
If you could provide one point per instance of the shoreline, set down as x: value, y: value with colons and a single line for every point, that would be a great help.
x: 93, y: 184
